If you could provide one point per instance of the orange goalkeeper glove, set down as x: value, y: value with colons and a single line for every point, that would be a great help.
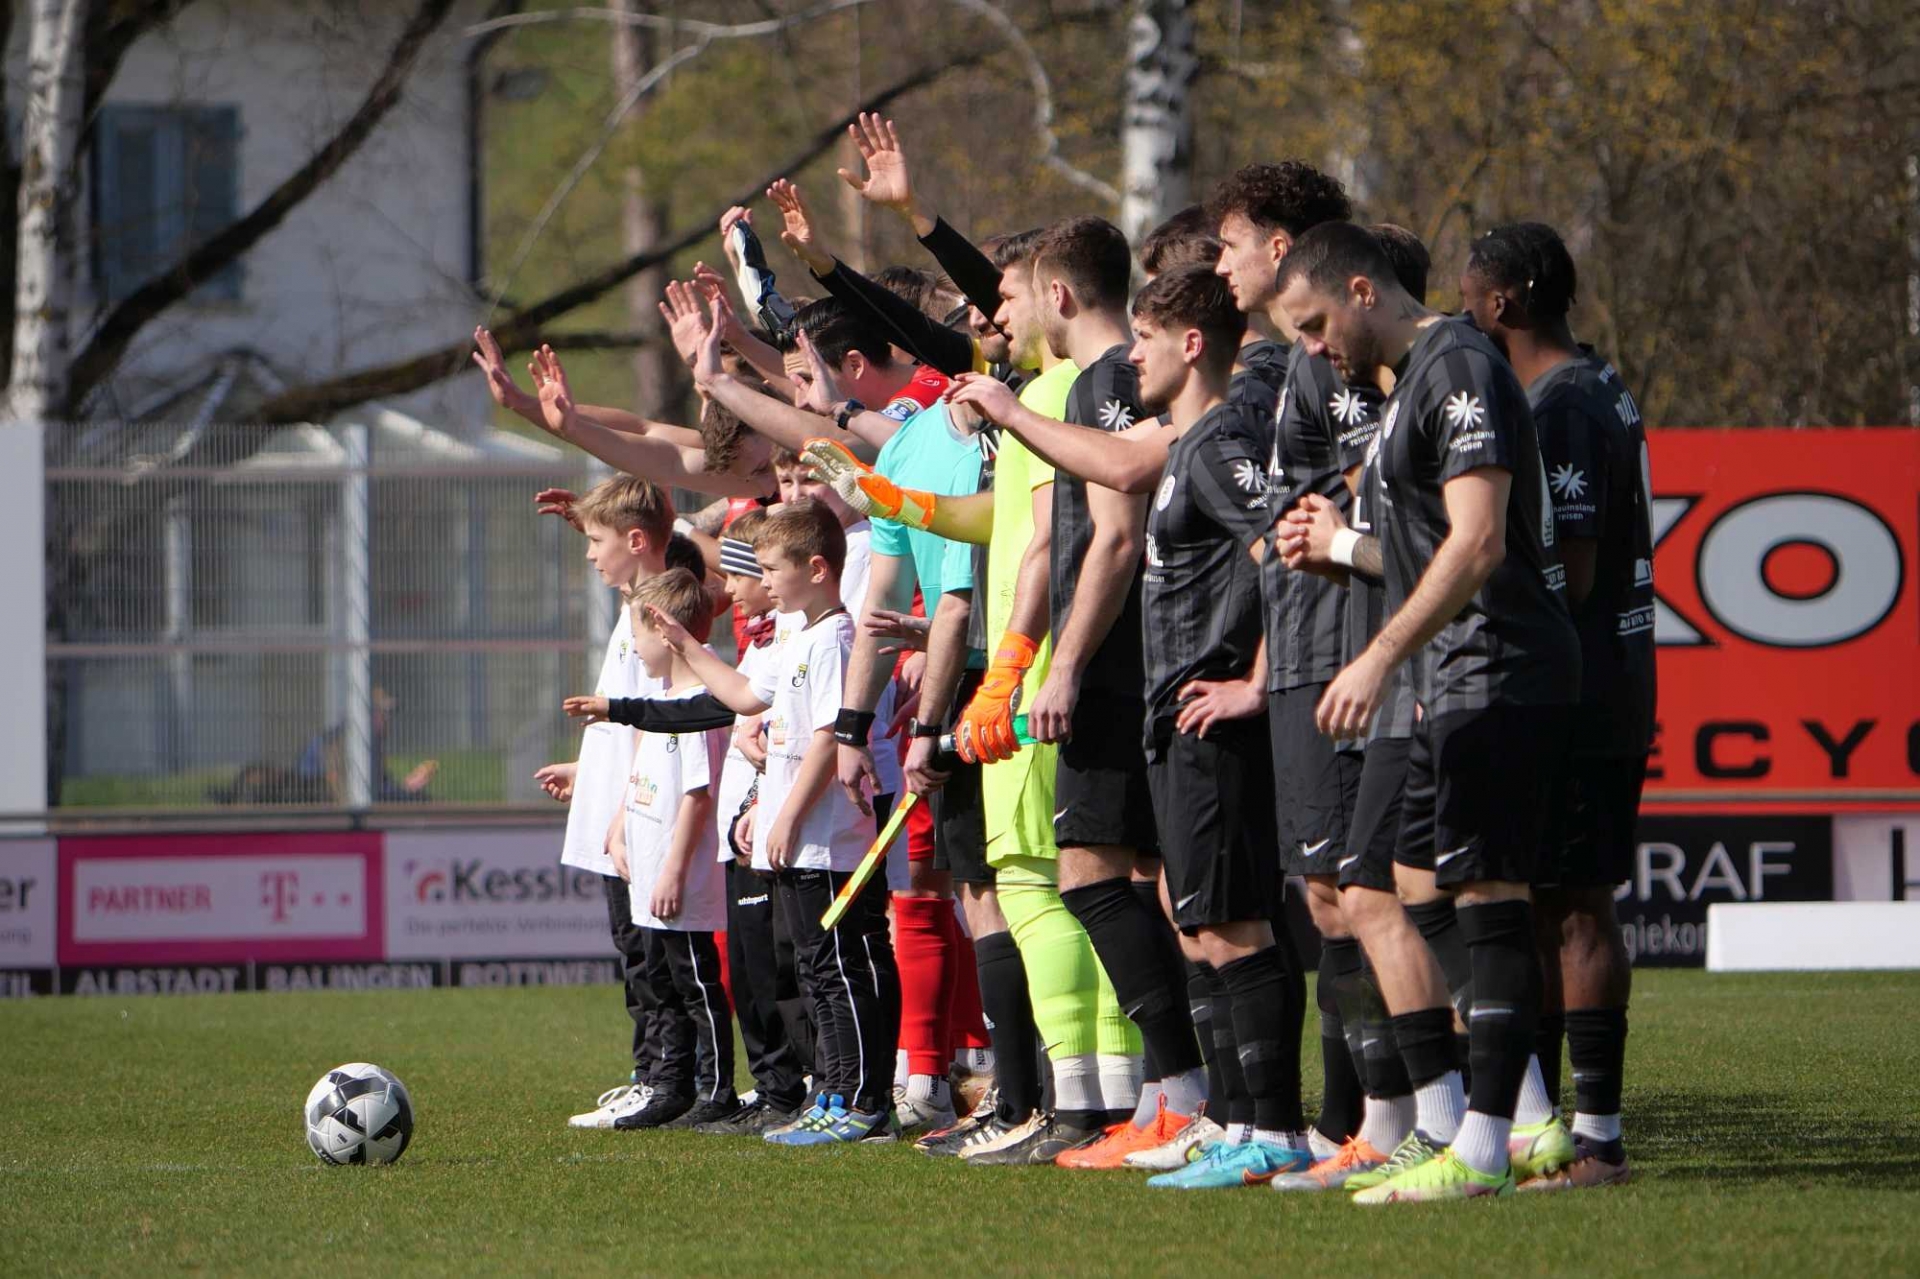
x: 985, y: 733
x: 864, y: 489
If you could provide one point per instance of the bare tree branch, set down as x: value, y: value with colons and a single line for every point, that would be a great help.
x: 701, y: 31
x: 318, y: 401
x: 110, y: 339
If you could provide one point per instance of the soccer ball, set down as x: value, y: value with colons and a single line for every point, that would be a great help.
x: 359, y: 1114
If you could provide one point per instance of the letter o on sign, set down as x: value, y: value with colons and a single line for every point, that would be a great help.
x: 1733, y: 578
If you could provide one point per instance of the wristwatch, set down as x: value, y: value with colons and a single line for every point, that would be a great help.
x: 846, y: 411
x: 917, y: 729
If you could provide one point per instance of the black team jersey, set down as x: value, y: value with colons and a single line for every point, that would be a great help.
x: 1202, y: 588
x: 1263, y: 369
x: 1366, y: 608
x: 1595, y: 450
x: 1457, y: 406
x: 1321, y: 431
x: 1106, y: 396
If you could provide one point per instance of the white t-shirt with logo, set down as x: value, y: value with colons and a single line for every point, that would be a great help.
x: 600, y: 775
x: 666, y: 768
x: 802, y: 689
x: 737, y: 774
x: 853, y: 594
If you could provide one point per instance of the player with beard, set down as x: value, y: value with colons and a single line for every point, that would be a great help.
x: 1475, y: 603
x: 1518, y: 286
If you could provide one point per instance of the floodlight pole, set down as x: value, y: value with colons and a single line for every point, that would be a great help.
x: 23, y: 628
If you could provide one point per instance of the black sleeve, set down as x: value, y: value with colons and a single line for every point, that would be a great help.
x: 926, y: 339
x: 680, y: 715
x: 972, y: 271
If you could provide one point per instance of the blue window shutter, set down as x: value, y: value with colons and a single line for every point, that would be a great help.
x: 166, y: 178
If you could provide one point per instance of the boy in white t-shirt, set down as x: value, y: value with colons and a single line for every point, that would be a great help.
x: 627, y: 523
x: 810, y: 833
x: 668, y: 840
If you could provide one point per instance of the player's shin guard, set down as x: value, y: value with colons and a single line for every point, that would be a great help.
x: 1008, y: 1011
x: 1506, y: 1000
x: 1342, y: 1047
x: 1597, y: 1045
x: 1230, y: 1102
x: 1258, y: 986
x: 1150, y: 990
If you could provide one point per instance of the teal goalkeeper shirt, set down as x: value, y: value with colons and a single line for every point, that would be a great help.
x: 926, y: 454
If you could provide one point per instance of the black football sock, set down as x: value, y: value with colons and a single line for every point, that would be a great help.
x: 1238, y: 1104
x: 1258, y: 985
x: 1597, y: 1045
x: 1341, y: 1049
x: 1200, y: 1001
x: 1008, y: 1012
x: 1439, y: 923
x: 1506, y: 1001
x: 1548, y: 1035
x: 1150, y: 990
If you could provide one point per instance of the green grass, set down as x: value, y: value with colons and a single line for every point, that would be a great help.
x: 1773, y: 1121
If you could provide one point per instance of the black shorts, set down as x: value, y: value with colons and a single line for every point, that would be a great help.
x: 1314, y: 784
x: 1591, y: 840
x: 1100, y: 791
x: 959, y: 820
x: 1375, y: 829
x: 1480, y: 788
x: 1213, y: 798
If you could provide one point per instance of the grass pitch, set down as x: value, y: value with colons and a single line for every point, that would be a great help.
x: 1774, y: 1122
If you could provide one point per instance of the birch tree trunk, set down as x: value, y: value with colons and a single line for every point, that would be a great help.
x: 1156, y: 142
x: 44, y: 275
x: 656, y: 369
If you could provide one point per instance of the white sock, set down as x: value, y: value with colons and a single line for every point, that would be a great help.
x: 1596, y: 1127
x: 978, y: 1060
x: 1482, y: 1142
x: 1534, y: 1107
x: 900, y: 1069
x: 1150, y: 1094
x: 1438, y: 1105
x: 931, y: 1088
x: 1238, y: 1133
x: 1286, y: 1140
x: 1381, y: 1123
x: 1076, y: 1083
x: 1119, y: 1081
x: 1185, y: 1092
x: 1321, y: 1145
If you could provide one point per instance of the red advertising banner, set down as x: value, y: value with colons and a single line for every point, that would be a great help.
x: 1787, y: 617
x: 210, y: 899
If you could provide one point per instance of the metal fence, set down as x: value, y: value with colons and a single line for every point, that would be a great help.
x: 308, y: 615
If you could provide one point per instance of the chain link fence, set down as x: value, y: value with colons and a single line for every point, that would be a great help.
x: 344, y: 616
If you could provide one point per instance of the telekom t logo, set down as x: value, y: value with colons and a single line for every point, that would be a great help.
x: 279, y: 889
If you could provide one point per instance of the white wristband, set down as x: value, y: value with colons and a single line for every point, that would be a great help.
x: 683, y: 525
x: 1344, y: 543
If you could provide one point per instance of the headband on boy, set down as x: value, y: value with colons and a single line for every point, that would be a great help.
x: 736, y: 556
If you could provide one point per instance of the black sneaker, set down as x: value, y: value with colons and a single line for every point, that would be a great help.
x: 661, y: 1109
x: 751, y: 1120
x: 708, y: 1112
x: 1049, y: 1138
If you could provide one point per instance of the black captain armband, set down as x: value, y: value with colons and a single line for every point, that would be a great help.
x: 851, y: 728
x: 680, y: 715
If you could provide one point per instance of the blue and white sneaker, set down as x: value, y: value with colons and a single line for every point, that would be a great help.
x: 811, y: 1119
x: 1248, y: 1163
x: 856, y: 1126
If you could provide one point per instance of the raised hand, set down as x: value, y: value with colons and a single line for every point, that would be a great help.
x: 588, y: 710
x: 824, y: 391
x: 672, y: 634
x: 887, y: 183
x: 686, y: 320
x: 988, y: 396
x: 559, y: 502
x: 861, y: 487
x: 706, y: 360
x: 738, y: 213
x: 500, y: 383
x: 797, y: 233
x: 556, y: 400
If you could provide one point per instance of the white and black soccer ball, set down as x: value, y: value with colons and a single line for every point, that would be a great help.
x: 359, y: 1113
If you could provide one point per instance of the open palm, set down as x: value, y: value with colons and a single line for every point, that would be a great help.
x: 887, y: 182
